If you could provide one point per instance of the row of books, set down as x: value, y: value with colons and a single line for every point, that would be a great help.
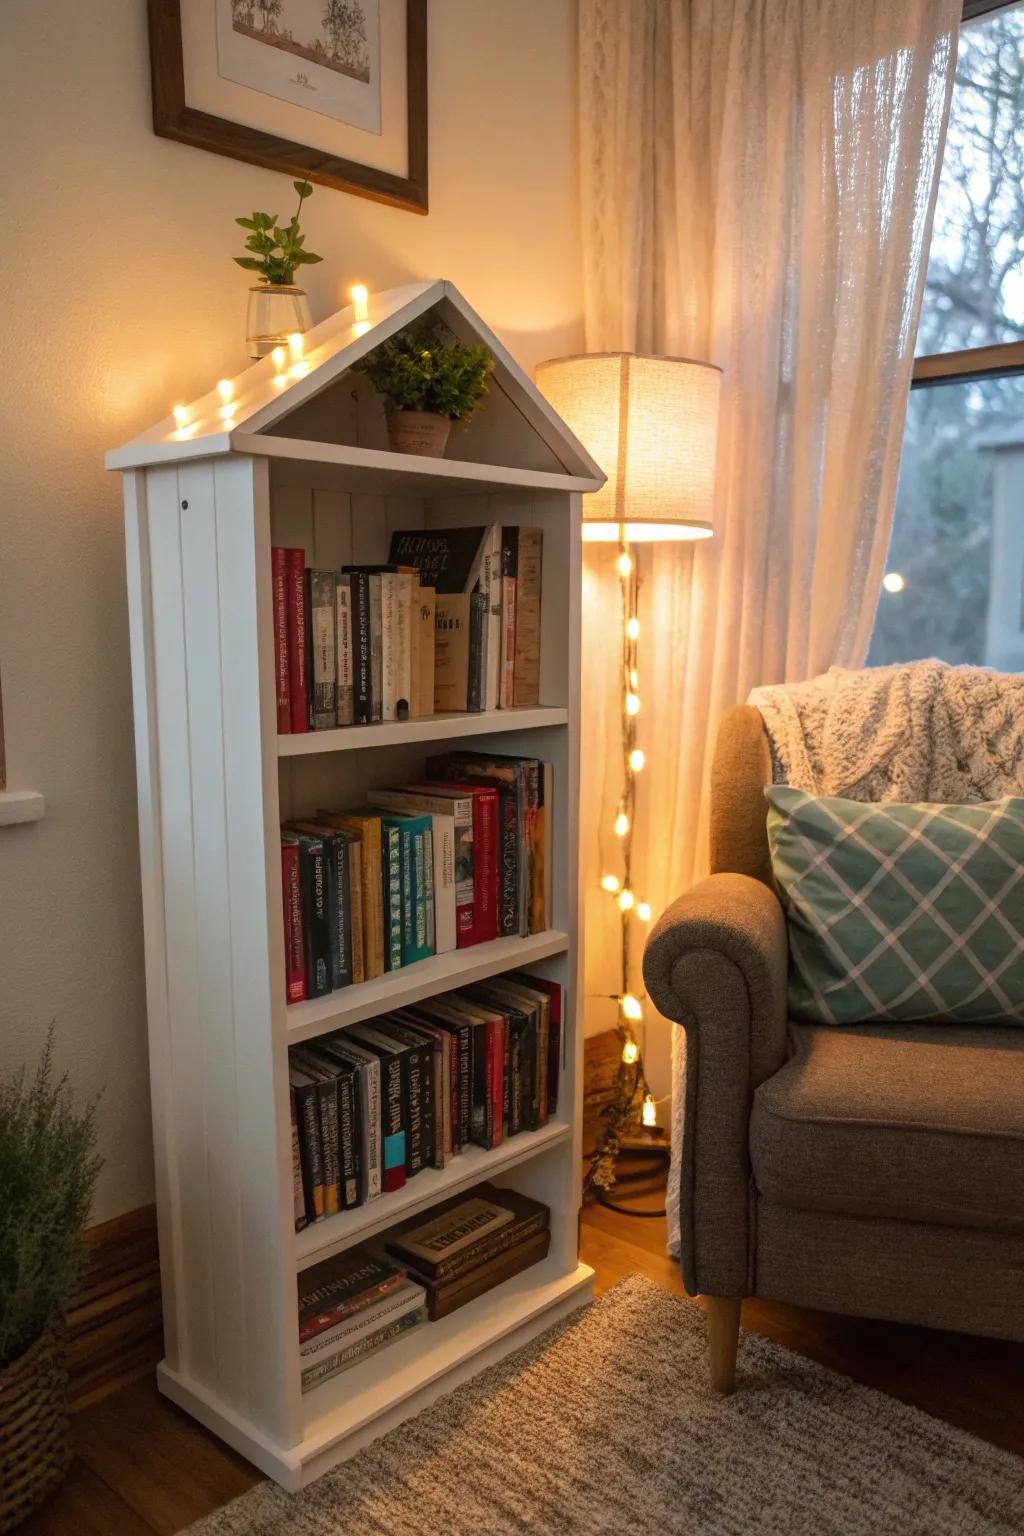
x: 361, y: 1300
x: 456, y: 858
x: 451, y: 622
x: 374, y: 1104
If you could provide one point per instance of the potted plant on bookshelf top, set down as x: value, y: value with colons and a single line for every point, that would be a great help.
x: 428, y: 381
x: 277, y: 308
x: 48, y: 1169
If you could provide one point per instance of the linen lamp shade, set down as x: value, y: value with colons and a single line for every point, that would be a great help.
x: 652, y: 425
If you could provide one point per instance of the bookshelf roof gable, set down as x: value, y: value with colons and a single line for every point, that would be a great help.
x: 261, y: 399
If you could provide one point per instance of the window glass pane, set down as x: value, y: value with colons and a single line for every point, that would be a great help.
x: 958, y: 533
x: 974, y: 293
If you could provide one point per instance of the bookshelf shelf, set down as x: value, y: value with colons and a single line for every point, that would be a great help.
x: 444, y: 727
x: 431, y: 1185
x: 203, y: 508
x: 397, y: 989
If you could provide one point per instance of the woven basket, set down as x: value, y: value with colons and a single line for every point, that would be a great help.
x: 35, y: 1436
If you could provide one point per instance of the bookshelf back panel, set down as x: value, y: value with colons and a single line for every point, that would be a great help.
x: 349, y: 411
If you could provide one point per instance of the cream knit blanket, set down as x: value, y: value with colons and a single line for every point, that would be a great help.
x: 917, y: 732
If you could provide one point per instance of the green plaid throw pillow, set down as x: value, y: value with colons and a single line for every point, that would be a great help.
x: 912, y: 912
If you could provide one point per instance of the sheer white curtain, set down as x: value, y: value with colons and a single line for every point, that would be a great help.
x: 758, y: 183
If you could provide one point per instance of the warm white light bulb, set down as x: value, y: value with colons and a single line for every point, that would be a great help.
x: 630, y: 1052
x: 625, y: 564
x: 180, y: 415
x: 280, y: 357
x: 650, y: 1110
x: 621, y: 824
x: 643, y: 911
x: 225, y: 388
x: 360, y: 303
x: 609, y: 883
x: 632, y: 704
x: 892, y: 581
x: 634, y: 678
x: 295, y: 346
x: 625, y: 899
x: 637, y: 759
x: 631, y: 1008
x: 633, y: 629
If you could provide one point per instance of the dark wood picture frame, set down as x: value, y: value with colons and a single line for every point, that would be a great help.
x: 174, y: 119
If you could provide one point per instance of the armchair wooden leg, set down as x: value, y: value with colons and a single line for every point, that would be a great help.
x: 723, y: 1314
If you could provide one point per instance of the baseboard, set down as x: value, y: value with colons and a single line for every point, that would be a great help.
x: 114, y: 1324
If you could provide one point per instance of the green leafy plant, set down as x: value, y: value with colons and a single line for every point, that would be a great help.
x: 48, y: 1169
x: 422, y: 369
x: 277, y: 250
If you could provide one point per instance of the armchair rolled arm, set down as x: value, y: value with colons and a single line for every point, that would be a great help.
x: 716, y: 964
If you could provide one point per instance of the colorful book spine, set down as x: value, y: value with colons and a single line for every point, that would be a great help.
x: 526, y: 681
x: 362, y: 647
x: 294, y: 951
x: 389, y: 644
x: 323, y: 650
x: 376, y: 648
x: 279, y: 578
x: 363, y: 1346
x: 316, y: 917
x: 343, y: 637
x: 391, y: 874
x: 406, y: 586
x: 298, y: 658
x: 477, y: 684
x: 298, y: 1194
x: 509, y: 563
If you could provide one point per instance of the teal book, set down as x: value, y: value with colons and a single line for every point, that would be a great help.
x: 413, y: 832
x: 391, y: 880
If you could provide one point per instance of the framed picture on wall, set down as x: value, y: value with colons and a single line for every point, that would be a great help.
x: 331, y: 90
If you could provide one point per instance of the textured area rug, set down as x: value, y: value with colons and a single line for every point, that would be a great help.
x: 605, y: 1424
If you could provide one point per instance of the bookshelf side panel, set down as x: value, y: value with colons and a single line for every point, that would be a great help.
x: 140, y: 625
x: 268, y: 1297
x: 183, y: 1090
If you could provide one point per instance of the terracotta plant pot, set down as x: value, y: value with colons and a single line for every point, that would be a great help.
x: 422, y: 432
x: 35, y: 1437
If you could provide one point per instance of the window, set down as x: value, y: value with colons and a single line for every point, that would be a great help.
x: 954, y: 584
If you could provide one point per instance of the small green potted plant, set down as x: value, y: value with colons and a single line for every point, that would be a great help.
x: 277, y: 308
x: 428, y: 381
x: 48, y: 1169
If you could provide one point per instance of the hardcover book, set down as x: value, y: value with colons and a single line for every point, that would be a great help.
x: 447, y: 559
x: 451, y: 1229
x: 323, y: 650
x: 526, y: 679
x: 451, y: 652
x: 279, y: 578
x: 368, y: 1344
x: 443, y: 1300
x: 298, y: 639
x: 343, y: 1285
x: 346, y: 664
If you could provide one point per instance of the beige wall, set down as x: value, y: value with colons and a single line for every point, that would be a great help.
x: 120, y: 298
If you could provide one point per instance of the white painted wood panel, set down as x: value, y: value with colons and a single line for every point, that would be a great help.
x: 267, y: 1298
x: 185, y: 1089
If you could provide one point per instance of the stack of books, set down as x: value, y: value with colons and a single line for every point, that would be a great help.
x: 374, y: 1104
x: 451, y: 622
x: 471, y: 1244
x: 349, y: 1307
x: 456, y: 858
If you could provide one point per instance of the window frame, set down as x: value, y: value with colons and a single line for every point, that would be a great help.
x: 996, y: 359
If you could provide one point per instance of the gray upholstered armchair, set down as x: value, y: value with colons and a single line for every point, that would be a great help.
x: 876, y: 1171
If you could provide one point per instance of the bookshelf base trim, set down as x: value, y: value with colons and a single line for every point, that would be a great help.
x: 515, y: 1318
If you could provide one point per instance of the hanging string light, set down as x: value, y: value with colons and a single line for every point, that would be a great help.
x: 632, y: 1099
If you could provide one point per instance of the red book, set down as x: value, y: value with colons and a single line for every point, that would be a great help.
x: 294, y: 947
x: 279, y: 576
x: 485, y: 862
x: 298, y: 653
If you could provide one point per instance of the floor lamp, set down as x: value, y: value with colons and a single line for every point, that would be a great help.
x: 652, y: 425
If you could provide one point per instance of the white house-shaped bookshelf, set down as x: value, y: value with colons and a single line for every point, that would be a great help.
x: 297, y: 455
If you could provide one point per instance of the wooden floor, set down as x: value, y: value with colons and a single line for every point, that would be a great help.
x: 143, y: 1466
